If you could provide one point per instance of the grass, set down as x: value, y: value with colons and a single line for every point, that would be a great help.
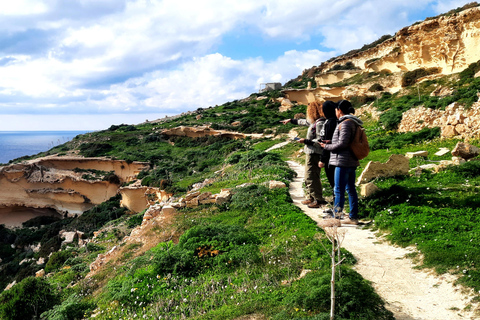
x: 245, y: 256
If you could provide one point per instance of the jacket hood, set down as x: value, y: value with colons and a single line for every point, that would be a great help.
x: 328, y: 108
x: 351, y: 117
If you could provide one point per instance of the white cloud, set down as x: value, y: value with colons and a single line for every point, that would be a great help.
x: 143, y: 57
x: 21, y: 7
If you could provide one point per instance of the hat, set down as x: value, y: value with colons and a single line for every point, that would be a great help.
x: 345, y: 106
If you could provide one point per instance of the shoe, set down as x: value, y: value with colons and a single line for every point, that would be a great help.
x: 350, y: 221
x: 308, y: 201
x: 314, y: 204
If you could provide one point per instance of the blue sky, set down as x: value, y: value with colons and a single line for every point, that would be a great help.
x: 88, y: 64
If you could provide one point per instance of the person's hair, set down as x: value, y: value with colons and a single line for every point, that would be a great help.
x: 345, y: 106
x: 314, y: 111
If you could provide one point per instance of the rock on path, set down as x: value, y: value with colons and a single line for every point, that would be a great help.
x: 409, y: 293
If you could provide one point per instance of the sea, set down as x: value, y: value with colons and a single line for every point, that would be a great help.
x: 16, y: 144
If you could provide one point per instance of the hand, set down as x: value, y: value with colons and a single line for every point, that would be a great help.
x: 301, y: 140
x: 285, y: 121
x: 322, y: 144
x: 321, y: 165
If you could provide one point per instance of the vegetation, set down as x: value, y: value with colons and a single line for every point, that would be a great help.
x: 246, y: 256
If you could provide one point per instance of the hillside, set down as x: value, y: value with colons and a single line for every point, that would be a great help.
x: 189, y: 217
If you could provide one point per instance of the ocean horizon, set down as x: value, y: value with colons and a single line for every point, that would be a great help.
x: 16, y: 144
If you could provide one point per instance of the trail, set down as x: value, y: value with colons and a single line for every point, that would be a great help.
x: 409, y: 293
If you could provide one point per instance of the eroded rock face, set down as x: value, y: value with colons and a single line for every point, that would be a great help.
x: 448, y: 42
x: 53, y: 182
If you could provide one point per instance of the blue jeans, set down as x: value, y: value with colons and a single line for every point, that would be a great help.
x: 345, y: 181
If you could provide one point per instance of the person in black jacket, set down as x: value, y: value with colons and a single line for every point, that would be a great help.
x: 326, y: 135
x: 344, y: 160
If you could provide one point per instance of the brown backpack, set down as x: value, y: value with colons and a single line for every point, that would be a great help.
x: 359, y: 144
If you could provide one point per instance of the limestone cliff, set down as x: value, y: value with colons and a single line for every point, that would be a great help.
x: 59, y: 183
x: 448, y: 42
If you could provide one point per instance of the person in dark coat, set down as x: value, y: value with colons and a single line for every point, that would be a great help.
x: 345, y: 162
x: 326, y: 135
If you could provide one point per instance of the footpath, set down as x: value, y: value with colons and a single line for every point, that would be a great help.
x: 409, y: 293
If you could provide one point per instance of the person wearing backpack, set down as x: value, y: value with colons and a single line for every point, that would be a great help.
x: 315, y: 121
x: 345, y: 161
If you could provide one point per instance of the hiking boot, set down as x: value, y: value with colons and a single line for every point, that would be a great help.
x: 322, y: 202
x: 350, y: 221
x: 308, y: 201
x: 314, y: 204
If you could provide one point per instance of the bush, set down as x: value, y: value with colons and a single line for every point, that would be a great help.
x: 375, y: 87
x: 391, y: 119
x: 410, y: 77
x: 94, y: 149
x: 57, y: 259
x: 73, y: 308
x: 27, y: 299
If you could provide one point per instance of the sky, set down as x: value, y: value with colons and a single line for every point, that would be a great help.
x: 89, y: 64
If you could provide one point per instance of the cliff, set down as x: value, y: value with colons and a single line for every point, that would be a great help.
x: 68, y: 185
x: 447, y: 42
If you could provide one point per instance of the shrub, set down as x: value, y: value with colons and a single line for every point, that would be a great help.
x: 375, y: 87
x: 410, y: 77
x: 347, y: 66
x: 57, y: 259
x: 73, y: 308
x: 27, y: 299
x: 391, y: 119
x: 94, y: 149
x: 468, y: 74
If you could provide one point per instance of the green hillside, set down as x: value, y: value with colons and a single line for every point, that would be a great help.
x: 245, y: 257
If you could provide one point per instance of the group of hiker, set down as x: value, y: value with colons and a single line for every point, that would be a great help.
x: 331, y: 130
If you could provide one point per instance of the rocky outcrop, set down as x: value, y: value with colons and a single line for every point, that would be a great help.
x: 454, y: 121
x: 204, y: 131
x: 196, y: 198
x: 60, y: 183
x: 447, y: 42
x: 138, y: 198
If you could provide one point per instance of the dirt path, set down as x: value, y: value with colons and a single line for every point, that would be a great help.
x: 409, y: 293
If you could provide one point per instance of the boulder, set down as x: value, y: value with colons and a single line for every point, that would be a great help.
x: 396, y: 165
x: 223, y: 197
x: 168, y: 210
x: 40, y: 273
x: 411, y: 155
x: 465, y: 150
x: 368, y: 189
x: 277, y: 184
x: 192, y: 195
x: 449, y: 131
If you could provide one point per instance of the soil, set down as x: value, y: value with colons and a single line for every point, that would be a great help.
x: 410, y: 293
